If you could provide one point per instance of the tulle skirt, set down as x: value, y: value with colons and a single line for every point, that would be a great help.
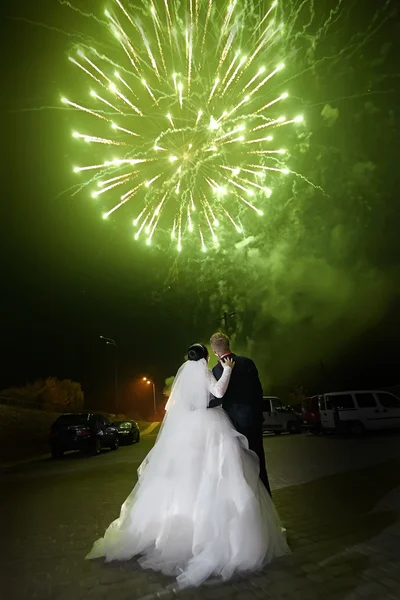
x: 199, y: 507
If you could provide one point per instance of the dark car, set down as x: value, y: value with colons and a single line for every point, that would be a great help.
x: 128, y: 431
x: 87, y: 432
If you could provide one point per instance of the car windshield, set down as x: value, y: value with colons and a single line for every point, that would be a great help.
x: 72, y: 420
x: 123, y: 424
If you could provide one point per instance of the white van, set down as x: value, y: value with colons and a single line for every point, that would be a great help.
x: 278, y: 418
x: 359, y: 411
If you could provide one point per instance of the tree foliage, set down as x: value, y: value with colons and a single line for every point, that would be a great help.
x: 49, y: 394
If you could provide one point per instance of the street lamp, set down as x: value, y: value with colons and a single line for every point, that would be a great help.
x: 111, y: 342
x: 149, y: 382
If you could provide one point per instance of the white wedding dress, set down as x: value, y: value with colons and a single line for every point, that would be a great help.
x: 199, y: 507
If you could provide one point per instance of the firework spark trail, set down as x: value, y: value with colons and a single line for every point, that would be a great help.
x: 307, y: 26
x: 76, y: 36
x: 371, y: 31
x: 334, y: 15
x: 321, y: 32
x: 313, y: 185
x: 164, y: 87
x: 81, y: 12
x: 357, y: 41
x: 353, y: 96
x: 290, y: 19
x: 209, y: 8
x: 41, y: 108
x: 345, y: 53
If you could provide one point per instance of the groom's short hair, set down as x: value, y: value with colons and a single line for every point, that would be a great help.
x: 220, y: 342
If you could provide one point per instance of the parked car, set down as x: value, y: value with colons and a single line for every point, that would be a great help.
x: 278, y: 417
x: 311, y: 415
x: 359, y: 411
x: 128, y: 431
x: 87, y: 432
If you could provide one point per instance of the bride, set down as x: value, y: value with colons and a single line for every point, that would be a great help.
x: 199, y: 507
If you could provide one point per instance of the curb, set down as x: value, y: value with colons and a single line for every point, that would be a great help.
x: 150, y: 428
x: 24, y: 461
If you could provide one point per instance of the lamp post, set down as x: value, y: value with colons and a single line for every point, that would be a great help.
x: 111, y: 342
x: 150, y: 382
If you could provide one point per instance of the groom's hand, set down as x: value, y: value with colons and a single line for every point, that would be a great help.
x: 214, y: 402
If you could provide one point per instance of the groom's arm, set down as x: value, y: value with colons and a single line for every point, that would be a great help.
x: 257, y: 390
x: 214, y: 402
x: 256, y: 383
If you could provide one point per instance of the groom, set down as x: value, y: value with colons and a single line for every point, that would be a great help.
x: 243, y: 398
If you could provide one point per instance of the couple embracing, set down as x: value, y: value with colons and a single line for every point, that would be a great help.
x: 202, y: 505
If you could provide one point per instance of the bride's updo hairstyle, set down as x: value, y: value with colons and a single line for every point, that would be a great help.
x: 197, y: 352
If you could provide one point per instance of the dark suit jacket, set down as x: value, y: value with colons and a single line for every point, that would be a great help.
x: 243, y: 398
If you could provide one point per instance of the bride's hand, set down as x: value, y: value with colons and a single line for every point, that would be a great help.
x: 228, y: 362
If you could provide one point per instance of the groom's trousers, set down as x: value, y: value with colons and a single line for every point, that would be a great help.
x: 255, y: 438
x: 248, y: 424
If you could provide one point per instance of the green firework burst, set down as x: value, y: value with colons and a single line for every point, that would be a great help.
x: 184, y: 118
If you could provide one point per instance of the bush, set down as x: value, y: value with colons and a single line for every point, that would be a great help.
x: 23, y: 433
x: 168, y: 386
x: 50, y: 394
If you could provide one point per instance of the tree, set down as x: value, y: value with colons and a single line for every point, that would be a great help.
x: 168, y: 386
x: 50, y: 394
x: 62, y: 396
x: 298, y: 394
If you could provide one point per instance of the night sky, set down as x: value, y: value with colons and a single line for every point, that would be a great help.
x: 314, y: 286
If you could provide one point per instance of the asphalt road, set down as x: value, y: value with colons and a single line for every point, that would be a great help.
x: 291, y: 460
x: 324, y: 488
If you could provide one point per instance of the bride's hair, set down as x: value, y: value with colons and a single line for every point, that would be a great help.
x: 197, y: 352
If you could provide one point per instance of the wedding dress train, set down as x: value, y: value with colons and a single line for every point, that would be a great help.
x: 199, y: 507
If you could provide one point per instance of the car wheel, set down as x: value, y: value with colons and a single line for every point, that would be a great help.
x: 115, y: 444
x: 292, y: 427
x: 96, y: 447
x: 57, y: 452
x: 316, y: 430
x: 137, y: 438
x: 277, y: 432
x: 356, y: 428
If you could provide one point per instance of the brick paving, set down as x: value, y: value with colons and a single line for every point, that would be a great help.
x: 344, y: 530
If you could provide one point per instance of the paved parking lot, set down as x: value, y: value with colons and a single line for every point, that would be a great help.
x: 338, y: 498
